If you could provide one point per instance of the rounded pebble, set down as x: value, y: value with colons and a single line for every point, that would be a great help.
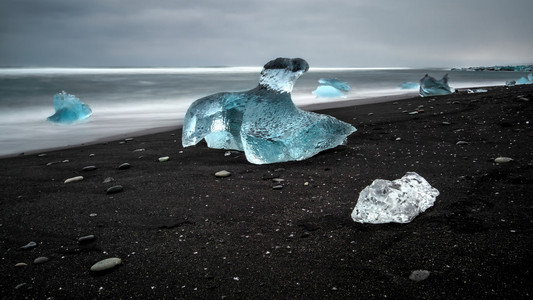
x: 74, y: 179
x: 21, y: 264
x: 277, y: 187
x: 30, y: 245
x: 40, y: 260
x: 86, y: 239
x: 124, y: 166
x: 108, y: 180
x: 503, y: 160
x: 106, y: 264
x: 278, y: 180
x: 89, y: 168
x: 164, y: 158
x: 419, y: 275
x: 115, y: 189
x: 222, y: 173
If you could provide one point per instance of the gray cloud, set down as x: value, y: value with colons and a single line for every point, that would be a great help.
x: 239, y: 32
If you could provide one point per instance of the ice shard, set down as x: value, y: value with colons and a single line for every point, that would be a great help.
x: 264, y: 122
x: 409, y: 86
x: 69, y: 109
x: 331, y: 88
x: 398, y: 201
x: 429, y: 86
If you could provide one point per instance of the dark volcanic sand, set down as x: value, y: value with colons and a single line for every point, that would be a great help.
x: 183, y: 233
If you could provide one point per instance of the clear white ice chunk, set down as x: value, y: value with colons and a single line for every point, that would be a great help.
x: 398, y: 201
x: 430, y: 86
x: 69, y: 109
x: 264, y: 122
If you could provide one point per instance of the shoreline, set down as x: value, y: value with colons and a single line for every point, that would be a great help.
x: 310, y: 107
x: 183, y: 233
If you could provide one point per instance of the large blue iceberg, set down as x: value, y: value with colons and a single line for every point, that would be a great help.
x: 69, y: 109
x: 430, y: 86
x: 264, y: 122
x: 331, y: 88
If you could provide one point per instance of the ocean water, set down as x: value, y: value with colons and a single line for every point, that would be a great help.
x: 128, y: 100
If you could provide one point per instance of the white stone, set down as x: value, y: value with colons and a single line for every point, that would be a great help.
x: 398, y: 201
x: 164, y: 158
x: 106, y: 264
x: 419, y: 275
x: 74, y: 179
x: 503, y: 160
x: 222, y: 173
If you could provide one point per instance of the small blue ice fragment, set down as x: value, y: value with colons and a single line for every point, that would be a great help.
x: 429, y: 86
x: 331, y: 88
x: 69, y: 109
x: 264, y: 122
x: 409, y: 86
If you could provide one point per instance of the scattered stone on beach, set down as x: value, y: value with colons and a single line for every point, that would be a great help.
x: 93, y: 215
x: 91, y: 155
x: 28, y: 246
x: 278, y: 180
x: 106, y: 264
x: 139, y: 150
x: 503, y: 160
x: 222, y: 174
x: 462, y: 143
x: 53, y: 163
x: 42, y: 155
x: 21, y: 264
x: 124, y: 166
x: 74, y: 179
x: 128, y: 139
x: 419, y: 275
x: 277, y: 187
x: 446, y: 123
x: 41, y: 260
x: 89, y: 168
x: 164, y: 158
x: 108, y: 180
x: 114, y: 189
x: 86, y: 239
x: 22, y: 285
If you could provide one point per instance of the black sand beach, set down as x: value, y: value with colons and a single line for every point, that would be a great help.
x: 183, y: 233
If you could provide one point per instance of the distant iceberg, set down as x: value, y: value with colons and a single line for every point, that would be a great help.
x: 429, y: 86
x: 409, y: 86
x: 264, y: 122
x: 69, y: 109
x: 331, y: 88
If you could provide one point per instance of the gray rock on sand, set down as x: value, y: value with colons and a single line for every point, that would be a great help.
x: 41, y: 260
x: 419, y: 275
x: 503, y: 160
x: 114, y: 189
x: 86, y: 239
x: 164, y: 158
x: 124, y: 166
x: 89, y: 168
x: 106, y: 264
x: 74, y: 179
x: 222, y: 174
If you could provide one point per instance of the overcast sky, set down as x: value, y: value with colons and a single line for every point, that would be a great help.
x: 327, y: 33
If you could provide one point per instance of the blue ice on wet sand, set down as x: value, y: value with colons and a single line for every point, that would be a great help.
x: 69, y: 109
x: 430, y: 86
x: 264, y: 122
x: 331, y: 88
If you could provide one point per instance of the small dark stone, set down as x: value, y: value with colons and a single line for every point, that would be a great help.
x: 124, y: 166
x: 114, y: 189
x: 86, y: 239
x: 89, y: 168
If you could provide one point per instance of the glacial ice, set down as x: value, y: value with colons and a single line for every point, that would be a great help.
x: 331, y: 88
x: 397, y: 201
x: 264, y: 122
x: 429, y: 86
x: 69, y: 109
x: 409, y: 85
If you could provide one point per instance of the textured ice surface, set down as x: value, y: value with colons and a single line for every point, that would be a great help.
x: 331, y: 88
x: 429, y: 86
x: 397, y: 201
x: 69, y: 109
x: 264, y: 122
x: 524, y: 80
